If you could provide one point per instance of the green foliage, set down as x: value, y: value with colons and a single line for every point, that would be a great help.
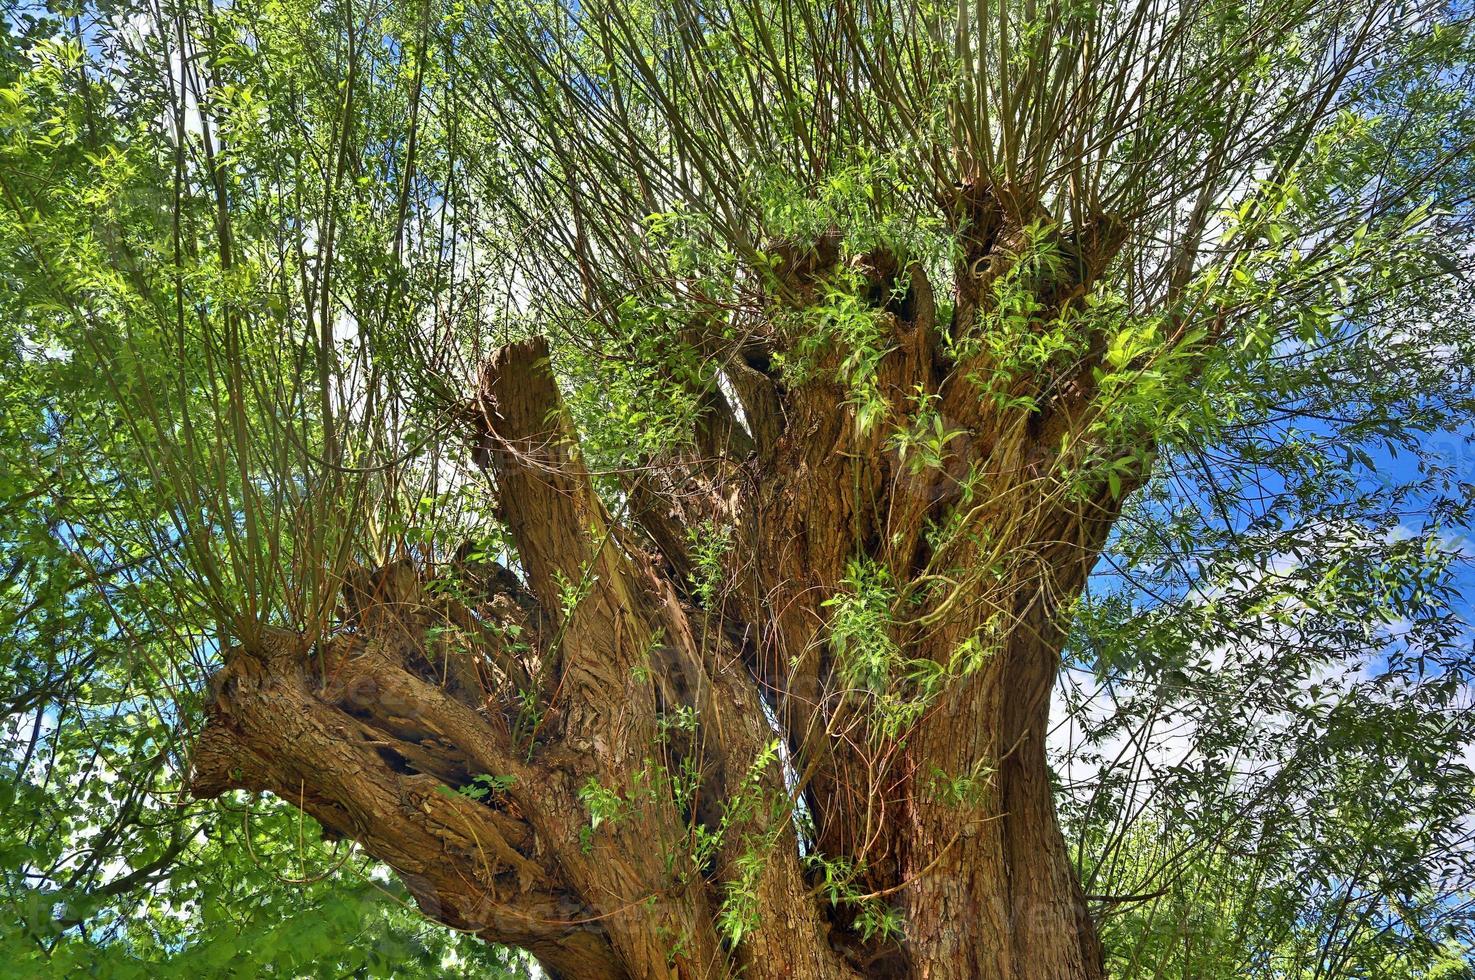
x: 836, y: 879
x: 604, y: 805
x: 709, y: 547
x: 740, y: 909
x: 484, y: 786
x: 865, y: 621
x: 248, y: 285
x: 860, y: 627
x: 842, y: 321
x: 922, y: 444
x: 286, y: 905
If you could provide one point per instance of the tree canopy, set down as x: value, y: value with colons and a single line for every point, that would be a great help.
x: 902, y: 366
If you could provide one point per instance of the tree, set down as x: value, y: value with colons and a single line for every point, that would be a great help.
x: 634, y: 471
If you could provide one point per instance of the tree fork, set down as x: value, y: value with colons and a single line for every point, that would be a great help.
x: 372, y: 730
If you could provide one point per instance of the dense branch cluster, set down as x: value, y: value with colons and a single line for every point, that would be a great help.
x: 680, y: 765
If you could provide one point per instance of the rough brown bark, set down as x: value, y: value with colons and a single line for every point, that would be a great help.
x: 596, y: 682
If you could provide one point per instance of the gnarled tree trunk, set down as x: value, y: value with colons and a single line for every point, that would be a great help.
x: 694, y: 780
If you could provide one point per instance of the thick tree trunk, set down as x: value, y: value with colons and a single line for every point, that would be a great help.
x: 650, y: 743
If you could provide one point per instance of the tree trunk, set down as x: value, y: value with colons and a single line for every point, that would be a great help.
x: 693, y: 780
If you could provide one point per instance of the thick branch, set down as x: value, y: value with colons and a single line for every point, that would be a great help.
x: 315, y: 739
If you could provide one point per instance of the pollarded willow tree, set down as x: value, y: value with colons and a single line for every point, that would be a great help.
x: 638, y: 464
